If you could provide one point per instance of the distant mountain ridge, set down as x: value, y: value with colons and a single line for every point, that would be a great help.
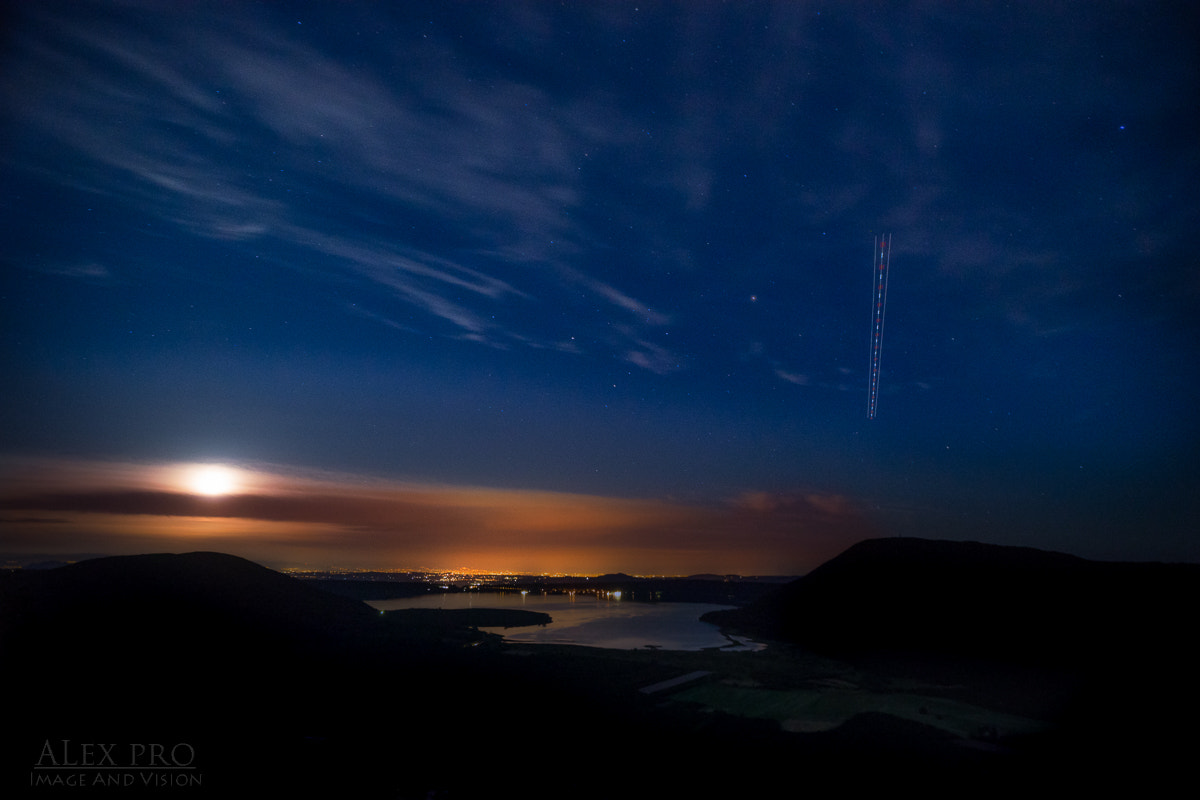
x: 974, y: 599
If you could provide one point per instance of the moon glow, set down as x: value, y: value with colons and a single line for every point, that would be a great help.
x: 212, y: 480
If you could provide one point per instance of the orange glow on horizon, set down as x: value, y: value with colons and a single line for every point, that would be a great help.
x: 313, y: 519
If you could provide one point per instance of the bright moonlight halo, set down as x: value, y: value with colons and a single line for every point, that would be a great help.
x: 212, y: 480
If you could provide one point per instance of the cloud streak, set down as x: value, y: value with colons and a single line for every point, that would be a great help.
x: 346, y: 521
x: 499, y: 160
x: 542, y: 181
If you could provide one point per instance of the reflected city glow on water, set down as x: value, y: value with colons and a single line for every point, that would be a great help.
x: 592, y: 620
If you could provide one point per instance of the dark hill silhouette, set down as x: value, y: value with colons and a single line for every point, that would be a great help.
x: 1110, y: 644
x: 275, y: 681
x: 238, y: 591
x: 976, y: 600
x: 171, y: 611
x: 612, y: 578
x: 127, y: 637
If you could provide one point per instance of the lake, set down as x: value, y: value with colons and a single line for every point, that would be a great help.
x: 592, y: 620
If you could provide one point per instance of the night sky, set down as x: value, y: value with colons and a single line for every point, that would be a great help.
x: 588, y: 286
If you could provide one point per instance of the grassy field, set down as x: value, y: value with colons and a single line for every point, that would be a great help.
x: 803, y: 692
x: 825, y: 708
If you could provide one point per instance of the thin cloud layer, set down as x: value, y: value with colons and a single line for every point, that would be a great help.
x: 370, y: 523
x: 502, y: 160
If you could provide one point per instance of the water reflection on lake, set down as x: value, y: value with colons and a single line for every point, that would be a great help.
x: 592, y: 620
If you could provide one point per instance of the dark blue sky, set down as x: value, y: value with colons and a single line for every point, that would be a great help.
x: 621, y: 249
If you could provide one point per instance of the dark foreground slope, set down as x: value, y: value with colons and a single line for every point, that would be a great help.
x: 269, y: 687
x: 273, y: 683
x: 1117, y: 640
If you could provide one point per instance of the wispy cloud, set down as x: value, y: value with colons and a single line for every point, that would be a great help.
x: 500, y: 159
x: 87, y: 270
x: 372, y: 522
x: 467, y: 194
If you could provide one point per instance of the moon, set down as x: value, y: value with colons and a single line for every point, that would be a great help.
x: 212, y: 480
